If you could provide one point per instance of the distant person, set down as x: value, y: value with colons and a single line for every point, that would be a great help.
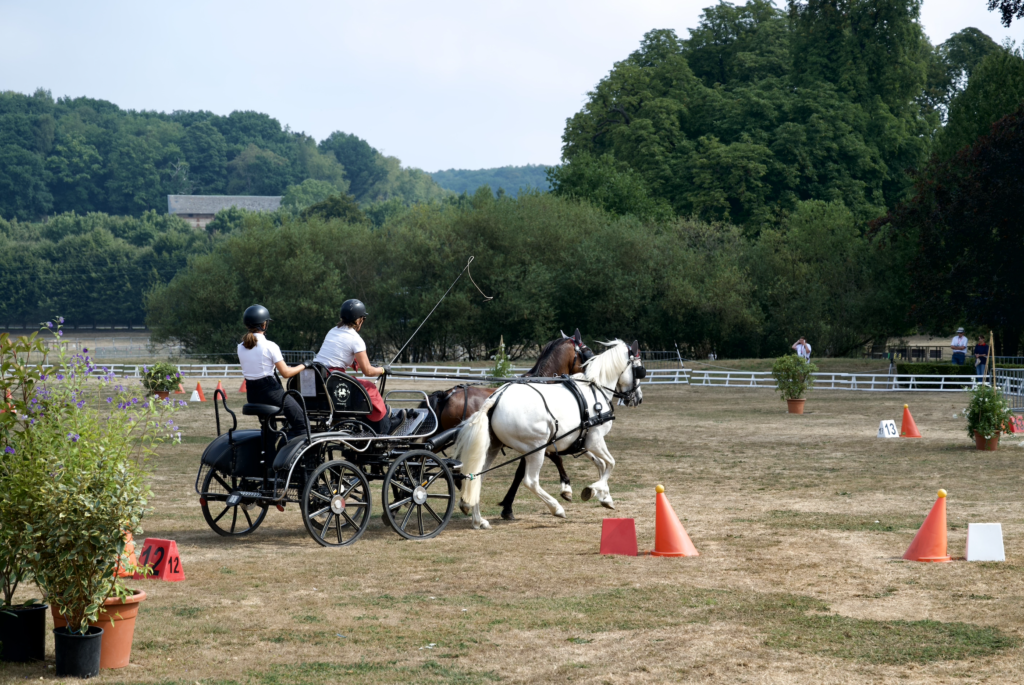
x: 959, y: 347
x: 803, y: 349
x: 980, y: 357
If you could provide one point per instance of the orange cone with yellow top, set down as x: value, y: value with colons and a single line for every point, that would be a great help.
x: 221, y: 388
x: 242, y: 389
x: 670, y: 538
x: 908, y: 429
x: 930, y: 542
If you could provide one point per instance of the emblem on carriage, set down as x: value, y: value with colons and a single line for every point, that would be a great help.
x: 341, y: 393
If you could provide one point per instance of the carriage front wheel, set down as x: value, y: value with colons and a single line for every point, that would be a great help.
x: 418, y: 495
x: 336, y: 504
x: 227, y: 518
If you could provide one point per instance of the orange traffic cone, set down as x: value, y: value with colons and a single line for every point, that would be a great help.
x: 221, y: 388
x: 908, y: 429
x: 242, y: 389
x: 670, y: 538
x: 180, y: 390
x: 199, y: 391
x: 930, y: 542
x: 129, y: 549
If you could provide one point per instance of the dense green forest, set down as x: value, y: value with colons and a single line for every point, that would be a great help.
x: 510, y: 179
x: 821, y: 170
x: 86, y: 155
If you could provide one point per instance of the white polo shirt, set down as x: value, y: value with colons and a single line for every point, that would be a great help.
x: 959, y: 341
x: 259, y: 361
x: 341, y: 345
x: 804, y: 350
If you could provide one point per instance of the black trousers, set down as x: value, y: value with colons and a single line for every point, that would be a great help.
x: 268, y: 390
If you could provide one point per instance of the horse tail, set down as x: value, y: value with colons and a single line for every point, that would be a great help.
x: 471, y: 448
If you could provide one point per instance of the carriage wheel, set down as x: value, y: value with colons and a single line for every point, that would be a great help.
x: 225, y: 519
x: 419, y: 495
x: 336, y: 504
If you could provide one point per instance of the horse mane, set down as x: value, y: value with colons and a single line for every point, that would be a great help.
x: 605, y: 368
x: 544, y: 358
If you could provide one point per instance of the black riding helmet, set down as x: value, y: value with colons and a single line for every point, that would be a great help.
x: 256, y: 315
x: 352, y: 311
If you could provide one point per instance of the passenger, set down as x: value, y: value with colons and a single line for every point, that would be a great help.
x: 343, y: 348
x: 259, y: 358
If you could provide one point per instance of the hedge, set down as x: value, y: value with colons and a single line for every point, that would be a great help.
x: 933, y: 369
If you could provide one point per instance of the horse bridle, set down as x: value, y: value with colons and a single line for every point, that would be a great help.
x: 639, y: 373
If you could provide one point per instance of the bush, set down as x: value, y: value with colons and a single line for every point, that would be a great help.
x: 988, y: 411
x: 161, y: 377
x: 934, y: 369
x: 792, y: 374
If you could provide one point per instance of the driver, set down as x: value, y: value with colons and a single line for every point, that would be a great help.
x: 343, y: 347
x: 259, y: 358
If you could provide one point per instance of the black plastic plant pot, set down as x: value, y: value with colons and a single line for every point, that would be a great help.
x: 23, y: 633
x: 78, y: 655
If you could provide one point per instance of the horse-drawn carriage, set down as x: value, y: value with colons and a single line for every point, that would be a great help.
x: 327, y: 471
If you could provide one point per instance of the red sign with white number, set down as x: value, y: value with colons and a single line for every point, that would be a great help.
x: 1017, y: 423
x: 163, y: 558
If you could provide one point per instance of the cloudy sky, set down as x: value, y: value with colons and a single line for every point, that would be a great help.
x: 441, y: 84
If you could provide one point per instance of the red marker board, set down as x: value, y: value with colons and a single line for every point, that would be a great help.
x: 1017, y: 423
x: 161, y: 556
x: 618, y: 536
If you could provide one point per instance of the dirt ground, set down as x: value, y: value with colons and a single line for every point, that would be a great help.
x: 800, y: 522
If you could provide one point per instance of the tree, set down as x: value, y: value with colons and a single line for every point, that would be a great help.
x: 1009, y: 9
x: 951, y: 65
x: 342, y: 207
x: 257, y: 172
x: 206, y: 151
x: 360, y: 161
x: 307, y: 193
x: 611, y: 185
x: 965, y: 217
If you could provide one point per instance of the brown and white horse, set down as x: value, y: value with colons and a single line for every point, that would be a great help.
x: 566, y: 355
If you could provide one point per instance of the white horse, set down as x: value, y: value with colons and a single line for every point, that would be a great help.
x: 525, y: 422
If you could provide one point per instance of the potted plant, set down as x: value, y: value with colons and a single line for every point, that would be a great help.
x: 987, y: 413
x: 792, y: 375
x: 22, y: 624
x: 94, y: 495
x: 161, y: 379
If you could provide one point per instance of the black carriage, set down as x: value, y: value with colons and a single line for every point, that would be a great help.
x: 327, y: 471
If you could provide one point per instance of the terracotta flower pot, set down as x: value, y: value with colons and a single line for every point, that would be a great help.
x: 990, y: 445
x: 161, y: 394
x: 117, y: 634
x: 796, y: 406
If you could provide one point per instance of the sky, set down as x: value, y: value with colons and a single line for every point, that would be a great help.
x: 442, y: 84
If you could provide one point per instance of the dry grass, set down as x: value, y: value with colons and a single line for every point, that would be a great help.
x: 800, y: 522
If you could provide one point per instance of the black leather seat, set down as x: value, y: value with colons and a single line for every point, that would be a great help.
x: 260, y: 410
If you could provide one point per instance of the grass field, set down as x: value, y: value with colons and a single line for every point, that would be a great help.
x: 800, y: 521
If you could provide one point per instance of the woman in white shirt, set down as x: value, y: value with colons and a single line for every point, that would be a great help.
x: 343, y: 348
x: 259, y: 358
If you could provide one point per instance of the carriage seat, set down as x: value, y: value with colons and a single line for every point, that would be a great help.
x: 260, y: 410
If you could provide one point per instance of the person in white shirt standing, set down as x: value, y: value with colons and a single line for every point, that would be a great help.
x: 259, y: 359
x: 959, y: 346
x: 803, y: 349
x: 344, y: 348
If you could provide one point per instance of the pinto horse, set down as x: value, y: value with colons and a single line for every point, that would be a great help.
x: 563, y: 356
x: 536, y: 418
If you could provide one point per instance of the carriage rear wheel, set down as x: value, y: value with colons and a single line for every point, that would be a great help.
x: 230, y: 520
x: 419, y: 495
x: 336, y: 504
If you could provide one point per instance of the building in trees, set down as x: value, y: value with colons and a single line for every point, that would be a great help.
x: 199, y: 210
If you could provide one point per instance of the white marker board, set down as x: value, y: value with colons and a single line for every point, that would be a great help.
x: 887, y: 429
x: 985, y: 542
x: 308, y: 382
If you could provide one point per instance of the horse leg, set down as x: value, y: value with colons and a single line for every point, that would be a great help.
x: 479, y: 521
x: 563, y: 477
x: 532, y: 480
x: 605, y: 463
x: 510, y: 496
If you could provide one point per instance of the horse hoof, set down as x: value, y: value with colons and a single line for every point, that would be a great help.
x: 560, y: 513
x: 608, y: 505
x: 587, y: 493
x: 484, y: 525
x: 464, y: 508
x: 508, y: 515
x: 566, y: 495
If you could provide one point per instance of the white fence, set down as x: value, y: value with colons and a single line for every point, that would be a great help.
x: 1013, y: 383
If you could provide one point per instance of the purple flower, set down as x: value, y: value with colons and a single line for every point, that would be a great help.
x: 60, y: 334
x: 182, y: 403
x: 60, y: 319
x: 9, y: 450
x: 49, y: 324
x: 80, y: 404
x: 31, y: 422
x: 73, y: 437
x: 60, y: 376
x: 85, y: 349
x: 109, y: 400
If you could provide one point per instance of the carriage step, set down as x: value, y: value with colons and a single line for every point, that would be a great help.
x: 238, y: 495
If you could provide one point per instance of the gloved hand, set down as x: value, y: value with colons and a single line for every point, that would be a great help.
x: 308, y: 363
x: 387, y: 369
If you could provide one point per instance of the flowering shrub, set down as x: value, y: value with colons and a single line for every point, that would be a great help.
x: 792, y: 374
x: 82, y: 471
x: 161, y: 377
x: 988, y: 412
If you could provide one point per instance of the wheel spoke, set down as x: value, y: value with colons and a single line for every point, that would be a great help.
x: 406, y: 519
x: 400, y: 486
x: 221, y: 481
x: 350, y: 521
x: 419, y: 518
x: 221, y: 514
x: 234, y: 519
x: 432, y: 479
x: 436, y: 496
x: 405, y: 465
x: 338, y: 529
x: 354, y: 504
x: 330, y: 517
x: 317, y: 513
x: 246, y: 512
x: 432, y: 513
x: 398, y: 505
x: 320, y: 497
